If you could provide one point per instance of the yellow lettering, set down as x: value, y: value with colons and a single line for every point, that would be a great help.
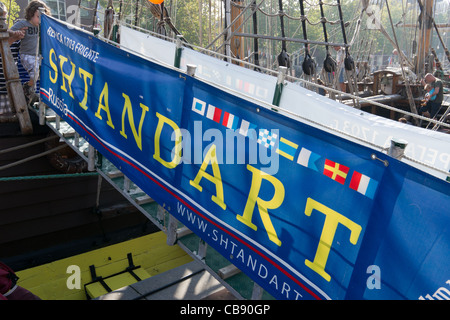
x: 86, y: 75
x: 216, y: 178
x: 54, y: 66
x: 104, y: 96
x: 127, y: 108
x: 178, y: 137
x: 253, y: 199
x: 332, y: 220
x: 70, y: 77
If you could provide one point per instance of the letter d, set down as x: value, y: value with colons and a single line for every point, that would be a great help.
x: 176, y: 151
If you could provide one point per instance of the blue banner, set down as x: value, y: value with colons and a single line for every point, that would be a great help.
x: 305, y: 213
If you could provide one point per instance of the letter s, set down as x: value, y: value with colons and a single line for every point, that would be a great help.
x: 54, y: 66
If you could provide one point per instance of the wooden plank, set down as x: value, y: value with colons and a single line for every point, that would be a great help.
x: 143, y: 200
x: 115, y: 174
x: 48, y: 281
x: 13, y: 83
x: 228, y: 271
x: 183, y: 231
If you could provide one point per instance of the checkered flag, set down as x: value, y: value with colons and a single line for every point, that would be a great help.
x: 267, y: 138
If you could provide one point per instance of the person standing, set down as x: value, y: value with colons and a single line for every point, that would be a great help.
x: 434, y: 97
x: 14, y: 36
x: 29, y: 44
x: 340, y: 55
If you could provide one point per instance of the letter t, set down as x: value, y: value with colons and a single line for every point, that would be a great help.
x: 332, y: 220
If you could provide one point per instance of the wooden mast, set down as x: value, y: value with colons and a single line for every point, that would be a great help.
x: 237, y: 43
x: 426, y: 25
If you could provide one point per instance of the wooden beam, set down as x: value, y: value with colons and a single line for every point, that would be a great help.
x: 13, y: 83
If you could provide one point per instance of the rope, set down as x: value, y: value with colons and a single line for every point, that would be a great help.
x: 255, y: 31
x: 324, y: 27
x: 305, y: 37
x: 283, y: 43
x: 33, y: 157
x: 22, y: 146
x: 326, y: 4
x: 49, y: 176
x: 290, y: 78
x: 302, y: 17
x: 250, y: 5
x: 408, y: 88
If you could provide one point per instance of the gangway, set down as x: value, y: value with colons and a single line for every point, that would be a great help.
x: 236, y: 282
x: 334, y: 193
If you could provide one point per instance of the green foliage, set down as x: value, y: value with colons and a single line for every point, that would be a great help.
x: 13, y: 11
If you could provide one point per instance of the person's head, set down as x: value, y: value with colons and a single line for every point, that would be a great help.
x: 429, y: 78
x: 3, y: 10
x: 32, y: 13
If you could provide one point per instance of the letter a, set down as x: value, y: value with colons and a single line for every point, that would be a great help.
x: 216, y: 179
x: 74, y: 281
x: 374, y: 280
x: 104, y: 97
x: 253, y: 199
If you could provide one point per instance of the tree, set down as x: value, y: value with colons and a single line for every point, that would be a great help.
x: 13, y: 11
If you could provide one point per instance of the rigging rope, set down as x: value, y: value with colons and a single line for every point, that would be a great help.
x: 283, y: 57
x: 412, y: 104
x: 255, y: 31
x: 329, y: 63
x: 308, y: 64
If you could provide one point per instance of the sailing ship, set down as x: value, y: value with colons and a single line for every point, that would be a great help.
x: 385, y: 86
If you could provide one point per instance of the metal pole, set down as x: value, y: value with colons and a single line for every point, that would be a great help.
x: 279, y: 86
x: 178, y: 51
x: 228, y: 23
x: 91, y: 158
x: 42, y: 113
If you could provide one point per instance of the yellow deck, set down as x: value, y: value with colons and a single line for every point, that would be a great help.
x: 49, y: 281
